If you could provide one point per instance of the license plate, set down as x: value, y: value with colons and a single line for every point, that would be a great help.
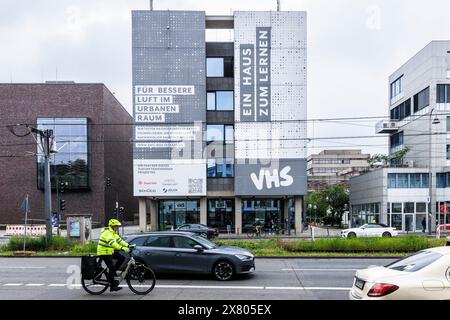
x: 359, y: 283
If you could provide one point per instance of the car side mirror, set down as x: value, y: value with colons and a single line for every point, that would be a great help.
x: 198, y: 247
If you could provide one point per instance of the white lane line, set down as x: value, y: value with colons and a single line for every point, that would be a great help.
x: 34, y: 284
x: 23, y: 267
x: 162, y: 286
x: 294, y: 269
x: 56, y: 285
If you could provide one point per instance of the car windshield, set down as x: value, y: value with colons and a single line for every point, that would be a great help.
x: 205, y: 242
x: 415, y: 262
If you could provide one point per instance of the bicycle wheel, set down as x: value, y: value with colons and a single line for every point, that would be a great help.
x: 141, y: 279
x: 92, y: 286
x: 250, y: 234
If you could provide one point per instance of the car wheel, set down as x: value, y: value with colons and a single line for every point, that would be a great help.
x: 223, y: 270
x: 351, y: 235
x: 386, y: 235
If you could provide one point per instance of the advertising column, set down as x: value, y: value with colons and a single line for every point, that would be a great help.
x: 270, y: 103
x: 169, y: 103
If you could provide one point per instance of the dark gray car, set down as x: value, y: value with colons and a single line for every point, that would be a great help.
x: 185, y: 252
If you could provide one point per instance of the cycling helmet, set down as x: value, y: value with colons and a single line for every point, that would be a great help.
x: 114, y: 223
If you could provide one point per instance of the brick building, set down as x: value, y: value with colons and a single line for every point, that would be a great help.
x: 92, y: 135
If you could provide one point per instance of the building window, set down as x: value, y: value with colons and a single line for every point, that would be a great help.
x: 421, y: 207
x: 422, y: 99
x: 407, y: 181
x: 448, y: 124
x: 448, y: 152
x: 396, y: 139
x: 443, y: 93
x: 220, y: 101
x: 441, y: 180
x: 221, y: 214
x: 219, y: 67
x: 396, y: 88
x: 71, y: 163
x: 214, y: 67
x: 175, y: 213
x: 448, y: 64
x: 220, y: 133
x: 220, y: 168
x: 408, y: 207
x: 402, y: 111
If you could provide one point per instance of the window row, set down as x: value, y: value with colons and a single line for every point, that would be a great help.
x: 396, y: 139
x: 219, y: 67
x: 402, y: 111
x: 443, y: 93
x: 331, y: 161
x: 219, y: 133
x: 396, y: 87
x: 422, y: 99
x: 220, y: 101
x: 408, y: 180
x: 443, y: 180
x: 220, y: 168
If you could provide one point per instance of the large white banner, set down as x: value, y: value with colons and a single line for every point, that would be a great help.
x: 157, y: 178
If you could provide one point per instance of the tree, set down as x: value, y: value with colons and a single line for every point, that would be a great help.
x: 317, y: 205
x: 399, y: 155
x: 378, y: 161
x: 337, y: 199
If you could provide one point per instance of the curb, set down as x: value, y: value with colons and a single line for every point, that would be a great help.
x: 257, y: 257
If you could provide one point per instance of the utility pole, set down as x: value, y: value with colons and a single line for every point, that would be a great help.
x: 45, y: 143
x: 278, y: 5
x: 151, y: 5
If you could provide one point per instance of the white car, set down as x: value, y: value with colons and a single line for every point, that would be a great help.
x: 370, y: 230
x: 423, y: 276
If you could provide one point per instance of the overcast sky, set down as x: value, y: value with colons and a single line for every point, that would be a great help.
x: 353, y: 46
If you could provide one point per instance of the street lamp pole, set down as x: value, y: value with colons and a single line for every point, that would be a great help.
x: 430, y: 173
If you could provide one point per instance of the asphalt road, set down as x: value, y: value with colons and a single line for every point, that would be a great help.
x: 286, y: 279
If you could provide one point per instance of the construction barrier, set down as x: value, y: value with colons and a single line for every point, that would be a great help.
x: 19, y: 230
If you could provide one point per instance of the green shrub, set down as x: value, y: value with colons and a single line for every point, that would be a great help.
x: 406, y: 244
x: 88, y: 248
x: 57, y: 243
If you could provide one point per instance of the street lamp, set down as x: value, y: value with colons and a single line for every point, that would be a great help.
x: 430, y: 175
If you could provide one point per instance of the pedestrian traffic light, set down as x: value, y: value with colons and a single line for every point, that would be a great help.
x: 62, y: 204
x: 61, y: 187
x: 108, y: 182
x: 121, y: 211
x: 116, y: 212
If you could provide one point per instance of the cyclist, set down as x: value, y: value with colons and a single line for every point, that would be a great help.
x: 109, y: 247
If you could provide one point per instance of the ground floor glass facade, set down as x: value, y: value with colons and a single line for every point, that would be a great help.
x: 221, y: 214
x: 174, y: 213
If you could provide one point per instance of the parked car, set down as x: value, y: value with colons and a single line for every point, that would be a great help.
x: 199, y: 229
x: 370, y: 230
x: 186, y: 252
x: 422, y: 276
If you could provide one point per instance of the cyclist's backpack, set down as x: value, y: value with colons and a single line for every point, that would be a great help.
x: 88, y: 267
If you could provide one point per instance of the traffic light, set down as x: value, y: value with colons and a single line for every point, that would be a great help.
x: 121, y: 211
x: 108, y: 182
x: 116, y: 213
x: 61, y: 187
x: 62, y: 204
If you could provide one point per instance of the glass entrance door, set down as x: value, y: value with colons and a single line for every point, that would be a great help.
x: 409, y: 223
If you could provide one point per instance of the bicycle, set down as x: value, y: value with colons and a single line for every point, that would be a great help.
x: 134, y: 272
x: 262, y: 233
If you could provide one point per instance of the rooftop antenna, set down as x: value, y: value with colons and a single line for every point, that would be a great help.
x: 278, y: 5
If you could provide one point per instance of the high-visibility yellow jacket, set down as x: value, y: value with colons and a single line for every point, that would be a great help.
x: 110, y: 241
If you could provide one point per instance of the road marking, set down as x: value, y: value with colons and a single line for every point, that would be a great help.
x: 23, y: 267
x: 168, y: 286
x: 293, y: 269
x: 56, y: 285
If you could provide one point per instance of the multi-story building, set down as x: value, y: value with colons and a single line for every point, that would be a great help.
x: 332, y: 167
x: 220, y: 126
x: 92, y: 133
x: 416, y: 188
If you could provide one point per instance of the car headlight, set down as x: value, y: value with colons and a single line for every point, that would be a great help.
x: 243, y: 257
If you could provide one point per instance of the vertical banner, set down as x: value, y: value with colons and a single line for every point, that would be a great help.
x: 169, y: 103
x: 263, y: 48
x: 247, y: 80
x: 270, y: 108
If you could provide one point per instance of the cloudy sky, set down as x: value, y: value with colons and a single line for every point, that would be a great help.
x: 353, y: 46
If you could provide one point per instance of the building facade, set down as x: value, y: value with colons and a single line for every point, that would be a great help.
x: 220, y: 136
x: 92, y: 133
x: 414, y: 190
x: 332, y: 167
